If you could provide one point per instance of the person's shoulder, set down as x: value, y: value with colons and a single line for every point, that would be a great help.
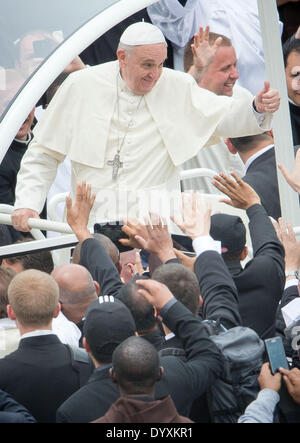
x: 92, y: 73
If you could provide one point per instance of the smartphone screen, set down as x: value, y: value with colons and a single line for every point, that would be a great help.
x: 276, y: 354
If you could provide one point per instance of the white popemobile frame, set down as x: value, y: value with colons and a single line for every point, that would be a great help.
x: 81, y: 39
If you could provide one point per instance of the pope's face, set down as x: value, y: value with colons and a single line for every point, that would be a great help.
x: 292, y: 72
x: 142, y: 66
x: 222, y: 73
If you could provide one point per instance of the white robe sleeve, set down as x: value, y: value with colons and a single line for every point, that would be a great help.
x: 37, y: 173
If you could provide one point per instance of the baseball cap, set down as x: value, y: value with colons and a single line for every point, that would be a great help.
x: 108, y: 322
x: 230, y: 231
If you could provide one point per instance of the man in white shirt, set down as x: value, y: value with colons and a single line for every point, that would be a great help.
x: 238, y: 20
x: 213, y: 64
x: 127, y: 126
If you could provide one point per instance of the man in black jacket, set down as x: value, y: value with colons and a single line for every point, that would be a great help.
x: 260, y: 284
x: 41, y: 373
x: 258, y: 154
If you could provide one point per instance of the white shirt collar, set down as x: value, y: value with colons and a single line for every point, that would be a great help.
x: 27, y: 141
x: 37, y: 333
x: 256, y: 155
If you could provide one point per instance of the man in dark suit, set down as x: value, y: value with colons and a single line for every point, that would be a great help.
x: 41, y: 373
x: 260, y: 284
x: 258, y: 154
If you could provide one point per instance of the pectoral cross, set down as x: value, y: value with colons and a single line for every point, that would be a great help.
x: 116, y: 165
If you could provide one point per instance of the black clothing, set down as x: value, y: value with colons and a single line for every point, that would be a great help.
x: 105, y: 47
x: 13, y: 412
x: 260, y: 284
x: 217, y: 288
x: 155, y: 338
x: 289, y: 295
x: 9, y: 169
x: 183, y: 381
x: 262, y: 176
x: 295, y: 121
x: 40, y: 376
x: 95, y: 259
x: 289, y: 14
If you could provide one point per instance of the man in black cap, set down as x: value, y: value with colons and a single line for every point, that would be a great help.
x: 108, y: 323
x: 261, y: 282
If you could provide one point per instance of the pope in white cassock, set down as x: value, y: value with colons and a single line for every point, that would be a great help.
x: 126, y: 126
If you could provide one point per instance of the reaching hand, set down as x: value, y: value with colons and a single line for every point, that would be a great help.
x: 159, y: 241
x: 267, y: 380
x: 78, y: 214
x: 132, y: 228
x: 286, y: 235
x: 240, y: 193
x: 196, y: 214
x: 293, y: 179
x: 267, y: 100
x: 292, y: 381
x: 155, y: 292
x: 297, y: 35
x: 203, y: 52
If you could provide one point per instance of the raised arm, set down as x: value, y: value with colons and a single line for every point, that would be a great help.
x: 92, y: 254
x: 219, y: 293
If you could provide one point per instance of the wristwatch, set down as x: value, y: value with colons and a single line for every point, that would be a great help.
x: 292, y: 274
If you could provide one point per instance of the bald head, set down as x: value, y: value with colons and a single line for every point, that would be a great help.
x: 75, y: 283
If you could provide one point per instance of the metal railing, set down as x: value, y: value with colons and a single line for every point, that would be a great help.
x: 67, y: 240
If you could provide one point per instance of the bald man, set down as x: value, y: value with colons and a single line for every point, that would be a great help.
x: 77, y: 290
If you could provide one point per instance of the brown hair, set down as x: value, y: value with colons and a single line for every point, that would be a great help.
x: 6, y: 276
x: 188, y: 53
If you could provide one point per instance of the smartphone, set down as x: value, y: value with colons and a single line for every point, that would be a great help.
x: 276, y: 354
x: 113, y: 230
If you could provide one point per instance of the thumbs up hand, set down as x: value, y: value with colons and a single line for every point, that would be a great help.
x: 267, y: 100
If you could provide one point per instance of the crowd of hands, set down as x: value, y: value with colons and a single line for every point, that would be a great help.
x: 153, y: 236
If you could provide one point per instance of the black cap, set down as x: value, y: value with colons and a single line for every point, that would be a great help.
x: 108, y: 322
x: 230, y: 231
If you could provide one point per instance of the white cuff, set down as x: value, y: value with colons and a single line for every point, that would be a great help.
x: 206, y: 243
x: 292, y: 282
x: 260, y: 117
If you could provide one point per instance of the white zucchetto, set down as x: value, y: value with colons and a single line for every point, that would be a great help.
x: 142, y: 33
